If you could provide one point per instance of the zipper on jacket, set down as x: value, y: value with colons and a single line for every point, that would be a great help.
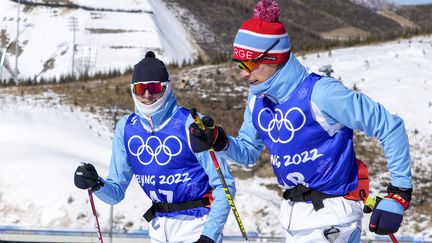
x: 150, y: 121
x: 151, y: 124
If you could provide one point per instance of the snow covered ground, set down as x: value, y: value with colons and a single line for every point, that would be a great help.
x: 105, y: 40
x: 397, y: 74
x: 42, y: 142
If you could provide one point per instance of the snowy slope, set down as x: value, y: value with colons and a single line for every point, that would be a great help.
x: 114, y: 37
x: 375, y: 4
x: 41, y: 145
x: 397, y: 74
x: 42, y: 142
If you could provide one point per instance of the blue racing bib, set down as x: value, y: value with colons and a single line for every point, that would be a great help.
x: 163, y: 164
x: 302, y: 152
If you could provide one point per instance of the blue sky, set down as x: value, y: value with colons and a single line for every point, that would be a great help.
x: 413, y: 1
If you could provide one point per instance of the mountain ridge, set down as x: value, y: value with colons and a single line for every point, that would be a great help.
x: 308, y: 22
x: 206, y: 29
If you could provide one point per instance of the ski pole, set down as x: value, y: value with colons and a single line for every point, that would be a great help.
x: 393, y: 238
x: 370, y: 203
x: 199, y: 122
x: 95, y: 216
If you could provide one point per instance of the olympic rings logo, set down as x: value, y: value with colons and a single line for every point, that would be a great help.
x: 278, y: 120
x: 146, y: 153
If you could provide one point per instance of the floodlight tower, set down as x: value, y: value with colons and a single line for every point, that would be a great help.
x: 16, y: 43
x: 2, y: 59
x: 73, y: 26
x: 4, y: 50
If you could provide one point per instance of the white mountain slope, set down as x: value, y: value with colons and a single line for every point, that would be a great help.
x: 111, y: 35
x: 42, y: 142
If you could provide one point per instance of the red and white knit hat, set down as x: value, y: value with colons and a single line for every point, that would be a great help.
x: 260, y: 32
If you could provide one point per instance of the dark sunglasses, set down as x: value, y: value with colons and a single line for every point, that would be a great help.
x: 250, y: 65
x: 154, y: 87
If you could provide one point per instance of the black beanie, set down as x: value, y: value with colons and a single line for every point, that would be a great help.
x: 150, y: 69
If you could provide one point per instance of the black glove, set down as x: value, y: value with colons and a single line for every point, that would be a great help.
x: 86, y: 177
x: 204, y: 239
x: 204, y: 139
x: 387, y: 215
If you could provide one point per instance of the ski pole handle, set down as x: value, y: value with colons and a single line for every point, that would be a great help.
x: 95, y: 216
x: 197, y: 119
x: 370, y: 203
x: 199, y: 122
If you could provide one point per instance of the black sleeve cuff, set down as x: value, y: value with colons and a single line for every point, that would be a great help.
x: 403, y: 192
x: 98, y: 185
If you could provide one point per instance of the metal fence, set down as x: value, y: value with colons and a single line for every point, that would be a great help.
x: 20, y: 234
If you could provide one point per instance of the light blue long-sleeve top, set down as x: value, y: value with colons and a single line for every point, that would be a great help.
x: 334, y: 107
x: 120, y: 172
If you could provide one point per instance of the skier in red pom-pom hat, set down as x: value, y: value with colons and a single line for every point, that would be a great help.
x: 307, y: 121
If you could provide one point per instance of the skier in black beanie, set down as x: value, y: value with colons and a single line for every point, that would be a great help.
x: 189, y: 202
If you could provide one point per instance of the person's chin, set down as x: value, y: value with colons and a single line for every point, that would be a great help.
x: 148, y: 102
